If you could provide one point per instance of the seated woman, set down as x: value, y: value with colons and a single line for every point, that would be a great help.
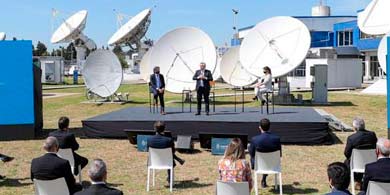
x: 233, y: 167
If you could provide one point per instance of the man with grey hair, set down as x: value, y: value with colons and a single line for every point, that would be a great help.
x: 361, y: 139
x: 50, y: 166
x: 379, y: 170
x: 203, y: 77
x: 98, y: 175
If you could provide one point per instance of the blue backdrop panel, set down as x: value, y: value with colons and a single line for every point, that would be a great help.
x: 219, y: 145
x: 16, y: 83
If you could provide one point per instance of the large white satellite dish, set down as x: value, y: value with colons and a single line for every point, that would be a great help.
x: 217, y: 70
x: 375, y: 19
x: 232, y: 70
x: 102, y: 73
x: 382, y: 52
x: 145, y: 68
x: 280, y: 43
x: 179, y: 53
x: 133, y: 31
x: 2, y: 36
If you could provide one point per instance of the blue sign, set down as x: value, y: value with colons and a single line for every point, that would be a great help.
x: 142, y: 143
x: 219, y: 145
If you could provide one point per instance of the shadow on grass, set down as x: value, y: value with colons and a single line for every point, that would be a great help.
x: 294, y: 189
x: 188, y: 151
x: 15, y: 182
x: 190, y: 184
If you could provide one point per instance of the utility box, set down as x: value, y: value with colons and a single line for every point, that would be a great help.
x: 319, y: 84
x: 52, y: 69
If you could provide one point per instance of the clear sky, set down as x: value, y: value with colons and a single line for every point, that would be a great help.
x: 32, y: 19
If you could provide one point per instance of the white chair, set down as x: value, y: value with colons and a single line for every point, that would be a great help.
x: 378, y: 188
x: 50, y: 187
x: 67, y: 154
x: 160, y: 159
x: 232, y: 188
x: 268, y: 163
x: 359, y: 159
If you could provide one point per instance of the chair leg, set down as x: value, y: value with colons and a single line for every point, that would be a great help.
x: 80, y: 180
x: 256, y: 187
x: 154, y: 177
x: 276, y: 181
x: 273, y: 103
x: 267, y: 102
x: 147, y: 181
x: 171, y: 181
x: 280, y: 184
x: 352, y: 183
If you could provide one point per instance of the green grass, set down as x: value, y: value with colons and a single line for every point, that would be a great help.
x: 304, y: 167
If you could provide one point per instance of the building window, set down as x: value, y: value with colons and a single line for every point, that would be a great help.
x: 367, y: 36
x: 376, y: 70
x: 300, y: 71
x: 345, y: 38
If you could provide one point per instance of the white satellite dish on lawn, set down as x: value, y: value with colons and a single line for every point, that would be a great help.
x: 382, y: 52
x: 232, y: 70
x: 217, y: 70
x: 102, y: 73
x: 280, y: 43
x: 71, y: 31
x: 179, y: 53
x: 2, y: 36
x: 375, y: 19
x: 145, y: 68
x: 133, y: 31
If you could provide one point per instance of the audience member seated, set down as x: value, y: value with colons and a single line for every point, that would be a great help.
x: 160, y: 141
x: 233, y: 167
x: 67, y: 140
x: 265, y: 142
x: 339, y: 178
x: 5, y: 159
x: 380, y: 170
x: 50, y: 166
x: 361, y: 139
x: 98, y: 175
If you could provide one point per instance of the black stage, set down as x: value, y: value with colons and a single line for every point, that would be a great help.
x: 302, y: 126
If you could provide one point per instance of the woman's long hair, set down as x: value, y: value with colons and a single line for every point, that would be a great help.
x: 235, y: 150
x: 266, y: 68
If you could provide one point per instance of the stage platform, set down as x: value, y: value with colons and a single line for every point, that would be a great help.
x: 302, y: 126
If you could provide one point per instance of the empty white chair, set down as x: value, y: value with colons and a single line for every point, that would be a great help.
x: 50, y: 187
x: 232, y: 188
x: 160, y: 159
x: 268, y: 163
x: 378, y: 188
x: 359, y: 159
x: 67, y: 154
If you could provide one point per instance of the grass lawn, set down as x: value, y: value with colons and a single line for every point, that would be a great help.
x: 304, y: 167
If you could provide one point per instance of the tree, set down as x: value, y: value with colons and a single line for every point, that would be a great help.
x: 41, y: 49
x: 70, y: 52
x: 117, y: 50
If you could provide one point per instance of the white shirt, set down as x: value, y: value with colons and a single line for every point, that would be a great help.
x: 267, y: 81
x: 98, y: 182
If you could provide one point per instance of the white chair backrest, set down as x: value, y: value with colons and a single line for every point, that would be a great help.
x: 269, y: 161
x: 360, y: 158
x: 232, y: 188
x: 378, y: 188
x: 66, y: 154
x: 50, y: 187
x: 162, y: 158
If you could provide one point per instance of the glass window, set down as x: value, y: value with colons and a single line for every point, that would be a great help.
x: 345, y: 38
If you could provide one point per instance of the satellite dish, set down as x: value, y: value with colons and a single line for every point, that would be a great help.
x: 232, y: 70
x: 179, y: 53
x: 145, y: 67
x: 2, y: 36
x: 217, y: 70
x: 382, y: 52
x: 280, y: 43
x: 133, y: 31
x: 375, y: 19
x: 102, y: 73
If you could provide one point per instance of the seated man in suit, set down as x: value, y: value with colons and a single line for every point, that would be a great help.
x: 157, y: 87
x: 265, y: 142
x: 362, y: 139
x: 339, y: 178
x: 50, y: 166
x: 68, y: 140
x: 160, y: 141
x: 98, y: 175
x: 380, y: 170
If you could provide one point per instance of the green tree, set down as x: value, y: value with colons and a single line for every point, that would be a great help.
x: 41, y: 49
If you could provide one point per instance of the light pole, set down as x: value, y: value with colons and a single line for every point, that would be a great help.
x: 235, y: 13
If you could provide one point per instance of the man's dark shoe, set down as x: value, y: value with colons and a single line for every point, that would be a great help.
x: 254, y: 98
x: 207, y: 113
x: 197, y: 114
x: 7, y: 159
x: 181, y: 161
x: 264, y: 184
x: 262, y: 102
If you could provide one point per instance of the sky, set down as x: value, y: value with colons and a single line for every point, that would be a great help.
x: 33, y: 20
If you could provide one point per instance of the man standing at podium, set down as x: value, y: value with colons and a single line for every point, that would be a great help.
x: 203, y: 78
x: 157, y: 87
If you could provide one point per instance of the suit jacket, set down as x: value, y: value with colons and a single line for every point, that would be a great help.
x: 65, y: 139
x: 360, y: 140
x: 377, y: 171
x: 161, y: 142
x: 49, y: 167
x: 265, y: 142
x: 98, y: 189
x: 153, y: 83
x: 339, y: 192
x: 206, y: 82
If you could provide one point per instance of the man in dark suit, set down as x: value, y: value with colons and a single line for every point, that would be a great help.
x: 362, y: 139
x: 339, y: 178
x: 203, y: 78
x: 98, y: 175
x: 50, y: 166
x: 160, y: 141
x: 157, y: 87
x: 265, y: 142
x: 380, y: 170
x: 68, y: 140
